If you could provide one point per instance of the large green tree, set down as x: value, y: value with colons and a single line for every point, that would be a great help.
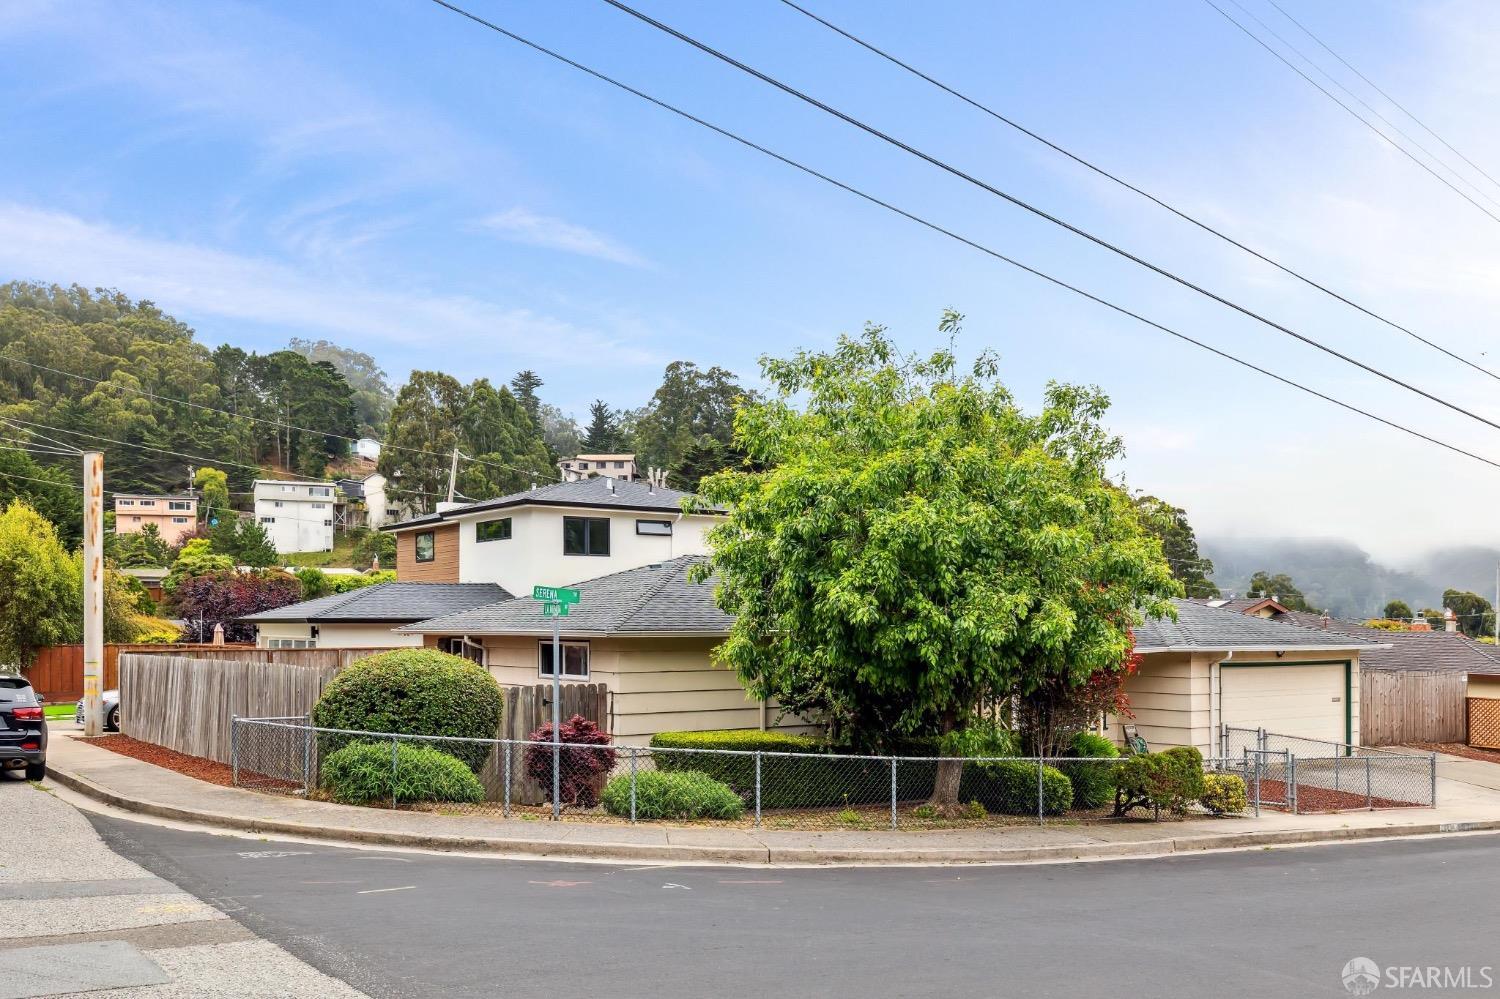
x: 602, y: 436
x: 1178, y: 544
x: 1475, y: 614
x: 373, y: 396
x: 917, y: 542
x: 47, y: 489
x: 1280, y: 586
x: 43, y: 602
x: 690, y: 404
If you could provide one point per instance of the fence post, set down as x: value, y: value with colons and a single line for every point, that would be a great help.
x: 1041, y: 816
x: 395, y: 745
x: 1432, y: 760
x: 1335, y: 774
x: 505, y: 802
x: 632, y: 783
x: 757, y: 789
x: 893, y: 792
x: 307, y: 781
x: 1291, y: 783
x: 234, y: 747
x: 1369, y: 788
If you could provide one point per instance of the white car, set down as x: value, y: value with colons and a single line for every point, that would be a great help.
x: 110, y: 700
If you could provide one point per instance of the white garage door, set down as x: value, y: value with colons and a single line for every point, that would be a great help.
x: 1307, y: 701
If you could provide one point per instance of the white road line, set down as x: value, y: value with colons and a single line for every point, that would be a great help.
x: 377, y: 891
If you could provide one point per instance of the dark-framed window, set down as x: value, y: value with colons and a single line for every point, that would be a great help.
x: 656, y: 527
x: 469, y: 649
x: 424, y: 546
x: 575, y: 658
x: 492, y: 530
x: 585, y: 535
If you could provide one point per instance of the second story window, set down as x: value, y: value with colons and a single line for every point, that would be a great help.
x: 424, y: 546
x: 179, y: 505
x: 126, y: 503
x: 660, y: 527
x: 492, y: 530
x: 585, y: 535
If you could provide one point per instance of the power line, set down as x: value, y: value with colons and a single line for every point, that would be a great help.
x: 935, y: 227
x: 256, y: 419
x: 1102, y: 172
x: 87, y: 435
x: 1308, y: 32
x: 1364, y: 103
x: 1359, y: 117
x: 1055, y: 220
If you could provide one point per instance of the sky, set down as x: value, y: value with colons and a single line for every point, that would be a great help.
x: 389, y: 176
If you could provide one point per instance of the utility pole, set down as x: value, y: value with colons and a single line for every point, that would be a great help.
x: 1497, y: 605
x: 93, y: 590
x: 452, y: 475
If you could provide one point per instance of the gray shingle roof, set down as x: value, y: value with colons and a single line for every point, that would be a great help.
x: 586, y: 492
x: 652, y: 600
x: 394, y: 602
x: 1199, y: 626
x: 1411, y: 650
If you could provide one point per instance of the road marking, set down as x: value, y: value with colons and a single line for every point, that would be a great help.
x: 330, y: 882
x: 750, y: 882
x: 398, y: 860
x: 559, y: 884
x: 671, y: 884
x: 274, y: 854
x: 377, y: 891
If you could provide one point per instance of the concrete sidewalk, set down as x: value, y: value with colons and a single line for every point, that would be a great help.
x: 149, y: 790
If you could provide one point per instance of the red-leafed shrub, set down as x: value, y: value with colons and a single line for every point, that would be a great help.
x: 224, y: 597
x: 586, y: 761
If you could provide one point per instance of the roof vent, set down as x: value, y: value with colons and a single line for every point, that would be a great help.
x: 611, y: 483
x: 533, y: 485
x: 654, y: 565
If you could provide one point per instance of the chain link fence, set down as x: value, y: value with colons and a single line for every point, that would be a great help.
x: 610, y: 783
x: 1305, y: 775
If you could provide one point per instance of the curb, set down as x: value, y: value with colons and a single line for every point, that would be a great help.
x: 763, y: 854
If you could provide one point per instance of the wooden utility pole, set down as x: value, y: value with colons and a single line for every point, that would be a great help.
x: 452, y: 475
x: 93, y: 591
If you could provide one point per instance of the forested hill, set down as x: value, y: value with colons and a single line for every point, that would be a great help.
x: 95, y: 369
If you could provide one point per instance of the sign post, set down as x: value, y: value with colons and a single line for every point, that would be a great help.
x: 555, y: 603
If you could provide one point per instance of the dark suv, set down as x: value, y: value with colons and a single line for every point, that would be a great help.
x: 23, y: 729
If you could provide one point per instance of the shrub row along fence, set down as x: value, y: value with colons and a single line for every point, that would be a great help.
x: 788, y: 790
x: 1312, y: 775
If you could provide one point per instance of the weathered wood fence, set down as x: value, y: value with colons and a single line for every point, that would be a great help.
x: 528, y: 709
x: 1401, y: 706
x: 57, y: 673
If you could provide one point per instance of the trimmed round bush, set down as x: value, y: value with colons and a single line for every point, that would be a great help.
x: 676, y: 794
x: 362, y: 772
x: 413, y: 692
x: 1093, y: 782
x: 1223, y: 794
x: 1169, y: 779
x: 1010, y: 787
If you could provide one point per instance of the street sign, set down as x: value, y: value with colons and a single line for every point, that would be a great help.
x: 556, y: 594
x: 553, y: 608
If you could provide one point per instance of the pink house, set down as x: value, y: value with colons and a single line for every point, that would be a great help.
x: 174, y: 515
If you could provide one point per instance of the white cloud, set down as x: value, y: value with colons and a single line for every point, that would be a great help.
x: 202, y: 281
x: 521, y: 225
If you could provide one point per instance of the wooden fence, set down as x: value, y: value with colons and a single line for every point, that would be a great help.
x: 527, y: 709
x: 1401, y: 706
x: 57, y: 674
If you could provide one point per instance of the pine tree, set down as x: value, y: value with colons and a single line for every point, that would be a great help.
x: 603, y: 433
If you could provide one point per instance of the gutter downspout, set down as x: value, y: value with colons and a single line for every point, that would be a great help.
x: 1216, y: 708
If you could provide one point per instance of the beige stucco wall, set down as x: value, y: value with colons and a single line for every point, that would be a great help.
x: 1175, y: 696
x: 337, y: 636
x: 656, y: 685
x: 1481, y: 685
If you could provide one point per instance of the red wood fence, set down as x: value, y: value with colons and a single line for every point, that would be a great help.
x: 57, y: 674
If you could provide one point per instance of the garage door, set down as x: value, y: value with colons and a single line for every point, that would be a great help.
x: 1307, y: 701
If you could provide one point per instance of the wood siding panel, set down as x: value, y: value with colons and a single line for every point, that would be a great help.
x: 444, y: 565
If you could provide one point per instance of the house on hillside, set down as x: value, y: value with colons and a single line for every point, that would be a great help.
x: 589, y: 466
x: 550, y: 535
x: 297, y: 514
x: 175, y: 515
x: 366, y: 499
x: 365, y: 618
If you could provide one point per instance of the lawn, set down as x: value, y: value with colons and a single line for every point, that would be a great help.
x: 51, y: 711
x: 341, y: 557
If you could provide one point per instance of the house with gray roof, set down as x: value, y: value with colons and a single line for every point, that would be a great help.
x: 552, y: 535
x: 367, y: 617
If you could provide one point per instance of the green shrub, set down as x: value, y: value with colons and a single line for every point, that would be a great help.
x: 1010, y: 787
x: 982, y: 737
x: 413, y: 692
x: 1223, y: 794
x: 1168, y: 779
x: 361, y: 773
x: 1093, y: 782
x: 677, y: 794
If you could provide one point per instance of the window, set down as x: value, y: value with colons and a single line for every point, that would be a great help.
x: 619, y: 464
x: 279, y: 504
x: 585, y: 535
x: 125, y: 502
x: 583, y: 464
x: 148, y: 502
x: 179, y: 505
x: 291, y: 643
x: 662, y: 527
x: 135, y: 520
x: 492, y: 530
x: 328, y: 523
x: 424, y: 546
x: 288, y: 489
x: 320, y: 491
x: 268, y: 520
x: 179, y: 520
x: 575, y: 657
x: 469, y: 649
x: 320, y: 506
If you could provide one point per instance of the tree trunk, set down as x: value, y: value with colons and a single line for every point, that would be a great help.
x: 949, y: 775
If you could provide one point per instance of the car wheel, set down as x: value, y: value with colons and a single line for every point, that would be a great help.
x: 112, y: 720
x: 36, y: 771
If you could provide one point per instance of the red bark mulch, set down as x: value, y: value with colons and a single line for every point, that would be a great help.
x: 1321, y: 799
x: 1457, y: 749
x: 197, y: 767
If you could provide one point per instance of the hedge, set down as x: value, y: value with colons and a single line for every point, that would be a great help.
x: 361, y: 773
x: 413, y: 692
x: 1010, y: 787
x: 676, y: 794
x: 1223, y: 794
x: 1169, y: 779
x: 1093, y: 782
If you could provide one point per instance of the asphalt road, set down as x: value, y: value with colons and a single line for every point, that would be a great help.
x: 1267, y: 923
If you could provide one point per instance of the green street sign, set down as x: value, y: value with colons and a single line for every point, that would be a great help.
x: 556, y: 594
x: 553, y: 608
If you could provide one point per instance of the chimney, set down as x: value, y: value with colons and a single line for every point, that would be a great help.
x: 533, y: 485
x: 1450, y: 620
x: 610, y: 481
x: 1325, y: 619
